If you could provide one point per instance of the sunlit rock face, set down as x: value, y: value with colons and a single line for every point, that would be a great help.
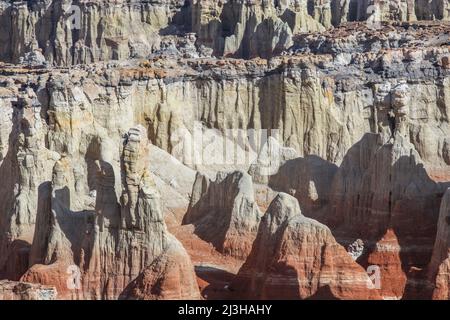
x: 73, y: 32
x: 294, y: 257
x: 225, y: 213
x: 224, y: 149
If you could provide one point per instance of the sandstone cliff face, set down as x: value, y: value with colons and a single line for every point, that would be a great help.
x: 370, y: 196
x: 224, y: 212
x: 72, y: 32
x: 169, y: 277
x: 351, y: 119
x: 294, y: 257
x: 84, y: 114
x: 372, y: 175
x: 332, y: 110
x: 396, y: 211
x: 25, y: 164
x: 123, y: 235
x: 440, y: 262
x: 240, y: 29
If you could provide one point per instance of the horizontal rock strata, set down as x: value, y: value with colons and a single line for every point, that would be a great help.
x: 224, y: 149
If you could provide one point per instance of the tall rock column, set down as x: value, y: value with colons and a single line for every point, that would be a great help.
x: 31, y: 163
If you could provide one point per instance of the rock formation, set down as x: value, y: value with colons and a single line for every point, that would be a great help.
x: 224, y: 212
x: 141, y: 141
x: 122, y: 243
x: 294, y: 257
x: 370, y: 196
x: 395, y: 210
x: 440, y: 262
x: 72, y: 32
x: 11, y: 290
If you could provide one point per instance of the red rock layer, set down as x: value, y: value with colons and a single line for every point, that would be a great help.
x: 439, y: 268
x: 122, y: 248
x: 12, y: 290
x: 295, y: 257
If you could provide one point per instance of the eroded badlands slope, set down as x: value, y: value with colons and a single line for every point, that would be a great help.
x: 134, y: 162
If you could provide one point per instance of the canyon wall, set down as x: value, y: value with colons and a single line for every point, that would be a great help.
x: 204, y: 149
x: 290, y: 248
